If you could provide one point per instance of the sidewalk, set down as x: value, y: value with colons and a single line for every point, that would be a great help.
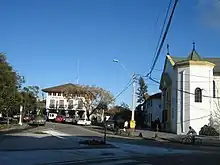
x: 213, y: 141
x: 15, y: 129
x: 164, y: 137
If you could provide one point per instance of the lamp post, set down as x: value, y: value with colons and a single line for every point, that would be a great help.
x: 20, y: 116
x: 132, y: 122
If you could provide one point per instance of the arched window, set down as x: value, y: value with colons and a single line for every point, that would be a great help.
x: 214, y: 89
x: 198, y: 95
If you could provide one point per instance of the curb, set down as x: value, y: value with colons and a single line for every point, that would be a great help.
x: 14, y: 130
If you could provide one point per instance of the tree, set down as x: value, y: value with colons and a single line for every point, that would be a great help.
x: 124, y: 105
x: 30, y: 101
x: 95, y: 99
x: 10, y: 83
x: 142, y: 91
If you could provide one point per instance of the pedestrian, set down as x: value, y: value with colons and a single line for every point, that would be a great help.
x: 125, y: 125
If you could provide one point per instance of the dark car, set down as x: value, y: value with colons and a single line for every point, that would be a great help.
x: 68, y: 120
x: 38, y: 120
x: 110, y: 124
x: 27, y: 118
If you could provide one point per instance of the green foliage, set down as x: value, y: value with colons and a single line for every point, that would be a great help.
x: 10, y: 83
x: 142, y: 91
x: 208, y: 131
x: 30, y: 99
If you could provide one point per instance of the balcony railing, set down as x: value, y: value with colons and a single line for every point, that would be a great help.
x: 70, y: 106
x: 61, y: 106
x: 52, y: 106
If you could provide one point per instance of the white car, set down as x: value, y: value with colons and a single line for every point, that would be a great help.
x: 83, y: 122
x: 52, y: 116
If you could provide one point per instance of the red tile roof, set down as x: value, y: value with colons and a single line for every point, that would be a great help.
x: 62, y: 88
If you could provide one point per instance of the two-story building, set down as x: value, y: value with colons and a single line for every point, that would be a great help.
x: 190, y: 91
x: 152, y: 110
x: 58, y: 103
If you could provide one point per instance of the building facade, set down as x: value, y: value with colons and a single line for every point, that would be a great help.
x: 152, y: 110
x: 57, y: 102
x: 190, y: 91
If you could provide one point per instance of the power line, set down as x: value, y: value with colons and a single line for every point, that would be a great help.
x: 160, y: 70
x: 163, y: 38
x: 124, y: 89
x: 162, y: 30
x: 202, y: 117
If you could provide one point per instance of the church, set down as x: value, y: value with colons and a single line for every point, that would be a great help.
x: 190, y: 89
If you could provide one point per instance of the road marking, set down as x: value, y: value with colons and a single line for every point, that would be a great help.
x: 56, y: 133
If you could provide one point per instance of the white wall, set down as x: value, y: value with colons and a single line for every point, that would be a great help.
x: 216, y: 101
x: 202, y: 77
x: 188, y: 112
x: 173, y: 75
x: 154, y: 109
x: 58, y: 98
x: 182, y: 100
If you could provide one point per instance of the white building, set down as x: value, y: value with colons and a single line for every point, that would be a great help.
x: 152, y: 110
x: 57, y: 103
x: 190, y: 91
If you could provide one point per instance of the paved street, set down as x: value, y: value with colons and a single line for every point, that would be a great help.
x: 58, y: 144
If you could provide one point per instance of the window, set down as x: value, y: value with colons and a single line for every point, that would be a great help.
x: 49, y: 94
x: 61, y: 104
x: 80, y: 104
x: 214, y: 89
x: 164, y: 116
x: 70, y: 104
x: 59, y: 94
x: 52, y: 103
x: 54, y: 94
x: 151, y: 103
x: 198, y: 95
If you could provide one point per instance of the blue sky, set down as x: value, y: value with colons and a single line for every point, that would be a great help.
x: 43, y: 39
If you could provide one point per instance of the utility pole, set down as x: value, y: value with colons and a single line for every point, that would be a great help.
x: 132, y: 122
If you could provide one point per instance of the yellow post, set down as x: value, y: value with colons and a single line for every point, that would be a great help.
x: 132, y: 124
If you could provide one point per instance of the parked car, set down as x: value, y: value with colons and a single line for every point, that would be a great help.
x: 83, y: 122
x: 110, y: 124
x: 16, y: 116
x: 27, y: 118
x: 52, y: 116
x: 60, y: 119
x: 68, y: 120
x: 38, y: 120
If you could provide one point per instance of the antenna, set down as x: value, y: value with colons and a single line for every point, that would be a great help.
x: 77, y: 79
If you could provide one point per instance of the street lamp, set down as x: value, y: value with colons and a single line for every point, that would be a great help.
x: 133, y: 76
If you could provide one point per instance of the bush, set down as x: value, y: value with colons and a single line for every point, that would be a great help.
x: 208, y: 131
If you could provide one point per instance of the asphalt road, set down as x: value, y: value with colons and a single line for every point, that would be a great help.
x: 44, y: 148
x: 201, y: 159
x: 87, y: 131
